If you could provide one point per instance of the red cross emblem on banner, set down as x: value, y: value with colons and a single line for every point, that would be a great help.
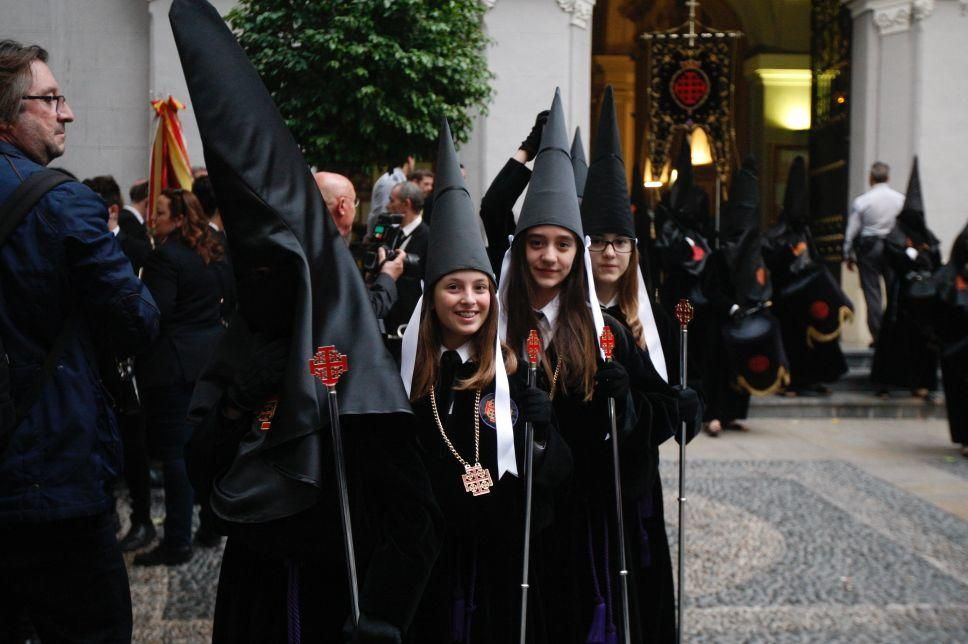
x: 534, y: 346
x: 328, y: 365
x: 690, y: 87
x: 607, y: 342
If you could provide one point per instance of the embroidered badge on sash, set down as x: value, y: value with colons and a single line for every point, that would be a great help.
x: 489, y: 411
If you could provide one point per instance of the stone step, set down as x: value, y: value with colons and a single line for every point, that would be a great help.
x: 845, y: 404
x: 859, y: 358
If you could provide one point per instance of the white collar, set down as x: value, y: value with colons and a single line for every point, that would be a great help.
x: 612, y: 302
x: 214, y: 227
x: 548, y: 320
x: 465, y: 351
x: 409, y: 228
x: 137, y: 215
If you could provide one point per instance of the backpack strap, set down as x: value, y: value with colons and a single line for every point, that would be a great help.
x: 23, y: 199
x: 26, y: 197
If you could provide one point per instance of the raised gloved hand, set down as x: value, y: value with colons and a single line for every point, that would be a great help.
x: 690, y: 411
x: 534, y: 406
x: 612, y: 381
x: 531, y: 144
x: 260, y: 375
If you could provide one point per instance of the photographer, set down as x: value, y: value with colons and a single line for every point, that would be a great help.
x: 339, y: 195
x: 410, y: 235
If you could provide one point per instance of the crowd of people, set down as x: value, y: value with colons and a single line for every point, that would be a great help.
x: 193, y: 336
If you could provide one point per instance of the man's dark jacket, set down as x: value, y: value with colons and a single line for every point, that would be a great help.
x: 133, y: 238
x: 64, y: 455
x: 409, y: 285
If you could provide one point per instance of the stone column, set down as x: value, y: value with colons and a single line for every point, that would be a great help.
x: 536, y: 45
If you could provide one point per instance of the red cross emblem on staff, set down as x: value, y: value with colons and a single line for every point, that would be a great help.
x: 607, y: 342
x: 328, y: 365
x: 534, y: 347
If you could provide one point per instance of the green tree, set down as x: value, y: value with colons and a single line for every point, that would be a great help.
x: 362, y: 83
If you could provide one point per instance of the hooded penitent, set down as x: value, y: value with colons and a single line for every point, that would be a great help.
x: 741, y: 239
x: 911, y: 218
x: 606, y: 209
x: 578, y: 163
x: 455, y: 245
x: 686, y: 201
x: 551, y: 201
x: 275, y: 217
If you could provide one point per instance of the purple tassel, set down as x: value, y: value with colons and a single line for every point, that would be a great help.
x: 596, y: 633
x: 458, y: 615
x: 294, y: 626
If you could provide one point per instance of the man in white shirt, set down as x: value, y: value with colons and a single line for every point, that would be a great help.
x: 872, y: 216
x: 380, y: 196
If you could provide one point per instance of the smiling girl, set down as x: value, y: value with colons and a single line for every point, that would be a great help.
x: 470, y: 417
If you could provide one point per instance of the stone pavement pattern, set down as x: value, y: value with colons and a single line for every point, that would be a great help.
x: 798, y: 531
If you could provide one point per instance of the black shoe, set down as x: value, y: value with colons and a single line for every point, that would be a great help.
x: 163, y: 555
x: 205, y: 537
x: 139, y: 536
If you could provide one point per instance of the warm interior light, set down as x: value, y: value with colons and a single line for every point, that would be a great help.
x: 796, y: 118
x: 699, y: 146
x: 674, y: 176
x: 652, y: 184
x: 786, y: 98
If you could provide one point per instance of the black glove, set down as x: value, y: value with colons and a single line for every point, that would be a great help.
x: 534, y: 406
x: 612, y: 381
x: 690, y: 411
x: 531, y: 144
x: 371, y: 630
x: 260, y: 375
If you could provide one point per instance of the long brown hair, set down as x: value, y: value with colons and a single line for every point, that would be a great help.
x: 194, y: 231
x: 628, y: 298
x: 574, y: 337
x: 429, y: 340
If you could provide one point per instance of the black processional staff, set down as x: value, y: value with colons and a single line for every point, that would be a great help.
x: 608, y: 346
x: 684, y: 313
x: 534, y: 350
x: 328, y: 365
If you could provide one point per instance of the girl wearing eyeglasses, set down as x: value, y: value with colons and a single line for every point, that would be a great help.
x: 607, y: 219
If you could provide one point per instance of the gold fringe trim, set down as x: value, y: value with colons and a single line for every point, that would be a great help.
x: 845, y: 315
x: 782, y: 380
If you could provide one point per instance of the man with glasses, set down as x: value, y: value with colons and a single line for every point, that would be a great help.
x: 65, y: 287
x: 341, y: 201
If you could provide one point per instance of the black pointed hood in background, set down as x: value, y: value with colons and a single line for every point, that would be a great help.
x: 551, y: 198
x: 742, y: 242
x: 912, y: 212
x: 796, y: 204
x: 606, y: 207
x: 578, y: 163
x: 273, y: 212
x: 455, y: 238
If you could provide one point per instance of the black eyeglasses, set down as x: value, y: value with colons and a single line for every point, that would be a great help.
x: 57, y: 100
x: 619, y: 245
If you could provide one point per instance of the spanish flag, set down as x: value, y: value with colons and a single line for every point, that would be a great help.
x: 169, y: 166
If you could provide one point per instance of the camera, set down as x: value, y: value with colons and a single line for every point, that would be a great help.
x: 387, y: 234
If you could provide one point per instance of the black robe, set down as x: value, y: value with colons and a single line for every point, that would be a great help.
x: 579, y: 566
x: 657, y: 602
x: 721, y: 400
x: 474, y: 592
x: 951, y: 329
x: 789, y: 251
x: 905, y: 355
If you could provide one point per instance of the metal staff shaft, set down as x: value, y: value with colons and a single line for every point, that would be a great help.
x: 344, y: 502
x: 683, y: 311
x: 528, y: 494
x: 681, y: 603
x: 623, y: 572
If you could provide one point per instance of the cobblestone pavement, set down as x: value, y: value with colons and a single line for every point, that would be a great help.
x: 855, y: 539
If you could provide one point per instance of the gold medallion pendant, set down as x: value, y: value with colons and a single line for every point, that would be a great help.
x: 477, y: 480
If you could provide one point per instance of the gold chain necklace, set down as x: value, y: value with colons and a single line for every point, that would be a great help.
x: 554, y: 379
x: 477, y: 479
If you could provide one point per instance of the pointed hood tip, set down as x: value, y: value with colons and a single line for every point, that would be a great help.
x: 605, y: 207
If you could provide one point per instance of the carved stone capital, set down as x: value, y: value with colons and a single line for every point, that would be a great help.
x: 580, y: 10
x: 923, y: 9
